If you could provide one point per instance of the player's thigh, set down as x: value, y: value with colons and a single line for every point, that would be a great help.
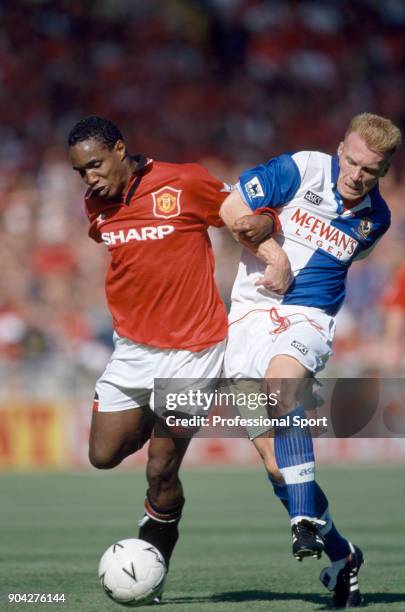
x: 297, y: 355
x: 249, y: 347
x: 180, y: 372
x: 301, y: 347
x: 285, y: 366
x: 286, y: 378
x: 121, y: 423
x: 111, y: 432
x: 255, y: 339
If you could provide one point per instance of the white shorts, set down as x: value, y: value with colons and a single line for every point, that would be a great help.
x: 258, y: 335
x: 127, y: 382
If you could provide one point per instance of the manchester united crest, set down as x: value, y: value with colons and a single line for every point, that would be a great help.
x: 166, y: 202
x: 365, y: 227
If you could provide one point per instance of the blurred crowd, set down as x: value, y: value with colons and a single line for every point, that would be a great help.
x: 228, y: 83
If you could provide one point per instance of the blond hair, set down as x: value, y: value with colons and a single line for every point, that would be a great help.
x: 379, y: 133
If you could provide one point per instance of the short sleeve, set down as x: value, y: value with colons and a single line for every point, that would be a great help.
x: 207, y: 194
x: 272, y: 184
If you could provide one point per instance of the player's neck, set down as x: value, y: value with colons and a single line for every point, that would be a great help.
x: 349, y: 204
x: 130, y: 167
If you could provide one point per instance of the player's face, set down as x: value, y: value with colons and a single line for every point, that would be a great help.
x: 360, y: 168
x: 102, y: 169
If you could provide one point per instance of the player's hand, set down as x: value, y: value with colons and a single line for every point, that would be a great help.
x: 277, y: 277
x: 253, y: 228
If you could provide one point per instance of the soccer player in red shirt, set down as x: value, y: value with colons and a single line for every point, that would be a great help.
x: 169, y: 320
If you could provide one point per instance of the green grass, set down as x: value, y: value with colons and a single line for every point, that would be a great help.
x: 234, y: 553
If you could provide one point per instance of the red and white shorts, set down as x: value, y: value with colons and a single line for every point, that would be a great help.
x: 258, y: 335
x: 128, y: 380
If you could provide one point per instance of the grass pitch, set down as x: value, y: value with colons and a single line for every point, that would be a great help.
x: 234, y: 553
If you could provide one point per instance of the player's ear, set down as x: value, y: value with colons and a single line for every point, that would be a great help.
x: 387, y: 167
x: 121, y: 149
x: 340, y: 148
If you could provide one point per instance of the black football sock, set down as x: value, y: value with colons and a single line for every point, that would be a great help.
x: 159, y: 526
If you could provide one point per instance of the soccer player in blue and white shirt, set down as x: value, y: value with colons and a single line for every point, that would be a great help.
x: 329, y: 213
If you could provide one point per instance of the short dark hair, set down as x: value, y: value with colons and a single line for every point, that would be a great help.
x: 97, y: 128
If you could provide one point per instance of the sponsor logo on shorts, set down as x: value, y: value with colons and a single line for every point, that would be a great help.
x: 312, y: 197
x: 254, y: 188
x: 166, y: 202
x: 300, y: 347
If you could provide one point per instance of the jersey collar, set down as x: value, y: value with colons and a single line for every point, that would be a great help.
x: 335, y: 169
x: 143, y: 165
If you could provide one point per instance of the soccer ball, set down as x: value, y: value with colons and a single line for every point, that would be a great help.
x: 132, y: 572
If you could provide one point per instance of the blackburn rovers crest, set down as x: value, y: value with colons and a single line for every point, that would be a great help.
x: 365, y: 227
x: 166, y: 202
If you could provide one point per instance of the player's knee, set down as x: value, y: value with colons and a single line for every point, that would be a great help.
x: 283, y: 396
x: 103, y: 458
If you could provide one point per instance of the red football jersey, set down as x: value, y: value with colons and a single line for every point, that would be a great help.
x: 160, y: 282
x: 394, y: 299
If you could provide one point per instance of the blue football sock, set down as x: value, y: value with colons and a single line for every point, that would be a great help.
x: 280, y: 491
x: 336, y: 547
x: 295, y: 459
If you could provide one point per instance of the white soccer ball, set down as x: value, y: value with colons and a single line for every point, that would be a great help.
x: 132, y: 572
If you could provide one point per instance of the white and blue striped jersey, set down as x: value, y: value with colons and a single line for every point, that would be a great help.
x: 320, y: 238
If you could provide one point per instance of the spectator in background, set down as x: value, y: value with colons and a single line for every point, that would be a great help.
x: 222, y: 81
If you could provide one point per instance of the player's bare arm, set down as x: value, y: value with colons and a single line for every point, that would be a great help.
x: 277, y: 276
x: 249, y: 229
x: 253, y: 228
